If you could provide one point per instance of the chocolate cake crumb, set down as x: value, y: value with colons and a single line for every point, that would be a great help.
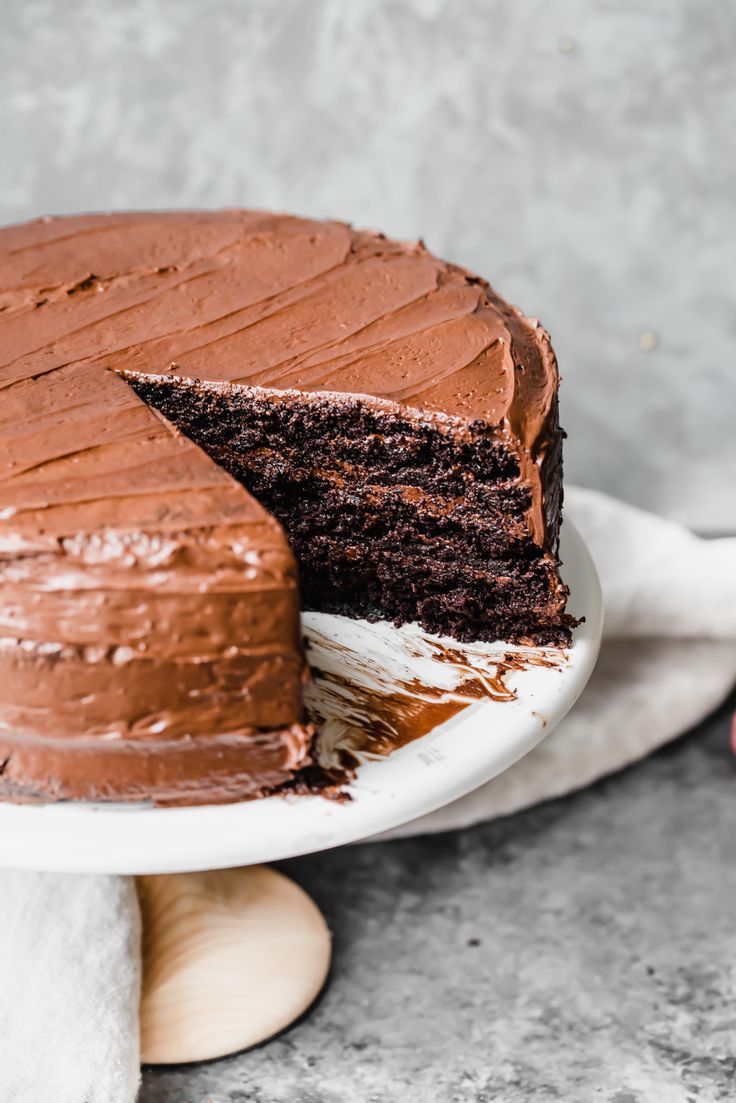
x: 388, y: 519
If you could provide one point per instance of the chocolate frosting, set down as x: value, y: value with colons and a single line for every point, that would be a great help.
x: 145, y: 597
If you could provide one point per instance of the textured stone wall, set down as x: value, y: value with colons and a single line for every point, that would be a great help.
x: 580, y: 153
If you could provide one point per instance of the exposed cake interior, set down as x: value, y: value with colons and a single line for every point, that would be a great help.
x: 390, y: 515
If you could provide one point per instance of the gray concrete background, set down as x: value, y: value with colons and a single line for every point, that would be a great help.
x: 579, y: 153
x: 580, y: 952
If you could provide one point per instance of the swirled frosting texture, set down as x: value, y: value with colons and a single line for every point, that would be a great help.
x: 145, y: 597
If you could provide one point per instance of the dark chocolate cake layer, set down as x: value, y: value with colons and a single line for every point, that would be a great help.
x: 397, y: 417
x: 391, y: 514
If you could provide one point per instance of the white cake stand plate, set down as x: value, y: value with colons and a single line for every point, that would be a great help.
x: 483, y: 707
x: 232, y: 957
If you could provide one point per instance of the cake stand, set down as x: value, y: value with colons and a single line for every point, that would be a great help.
x: 459, y: 715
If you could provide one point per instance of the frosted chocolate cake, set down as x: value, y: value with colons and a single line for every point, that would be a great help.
x: 199, y: 409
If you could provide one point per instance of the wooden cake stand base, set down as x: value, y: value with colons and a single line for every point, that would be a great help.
x: 230, y: 958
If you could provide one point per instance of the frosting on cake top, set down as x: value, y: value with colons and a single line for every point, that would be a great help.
x: 242, y: 296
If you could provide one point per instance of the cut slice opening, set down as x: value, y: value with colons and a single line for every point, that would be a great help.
x: 389, y: 517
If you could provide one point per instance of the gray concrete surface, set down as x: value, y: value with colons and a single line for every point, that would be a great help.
x: 584, y: 950
x: 581, y: 154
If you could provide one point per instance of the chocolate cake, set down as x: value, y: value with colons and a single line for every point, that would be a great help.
x: 196, y: 410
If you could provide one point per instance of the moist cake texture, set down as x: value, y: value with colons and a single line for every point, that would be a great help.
x: 193, y: 403
x: 389, y: 515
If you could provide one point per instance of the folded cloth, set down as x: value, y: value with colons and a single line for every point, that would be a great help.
x: 69, y: 946
x: 69, y: 988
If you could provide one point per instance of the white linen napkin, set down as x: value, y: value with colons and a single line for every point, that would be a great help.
x: 69, y: 988
x: 69, y: 946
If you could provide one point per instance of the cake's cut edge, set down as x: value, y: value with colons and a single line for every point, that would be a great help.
x: 393, y: 512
